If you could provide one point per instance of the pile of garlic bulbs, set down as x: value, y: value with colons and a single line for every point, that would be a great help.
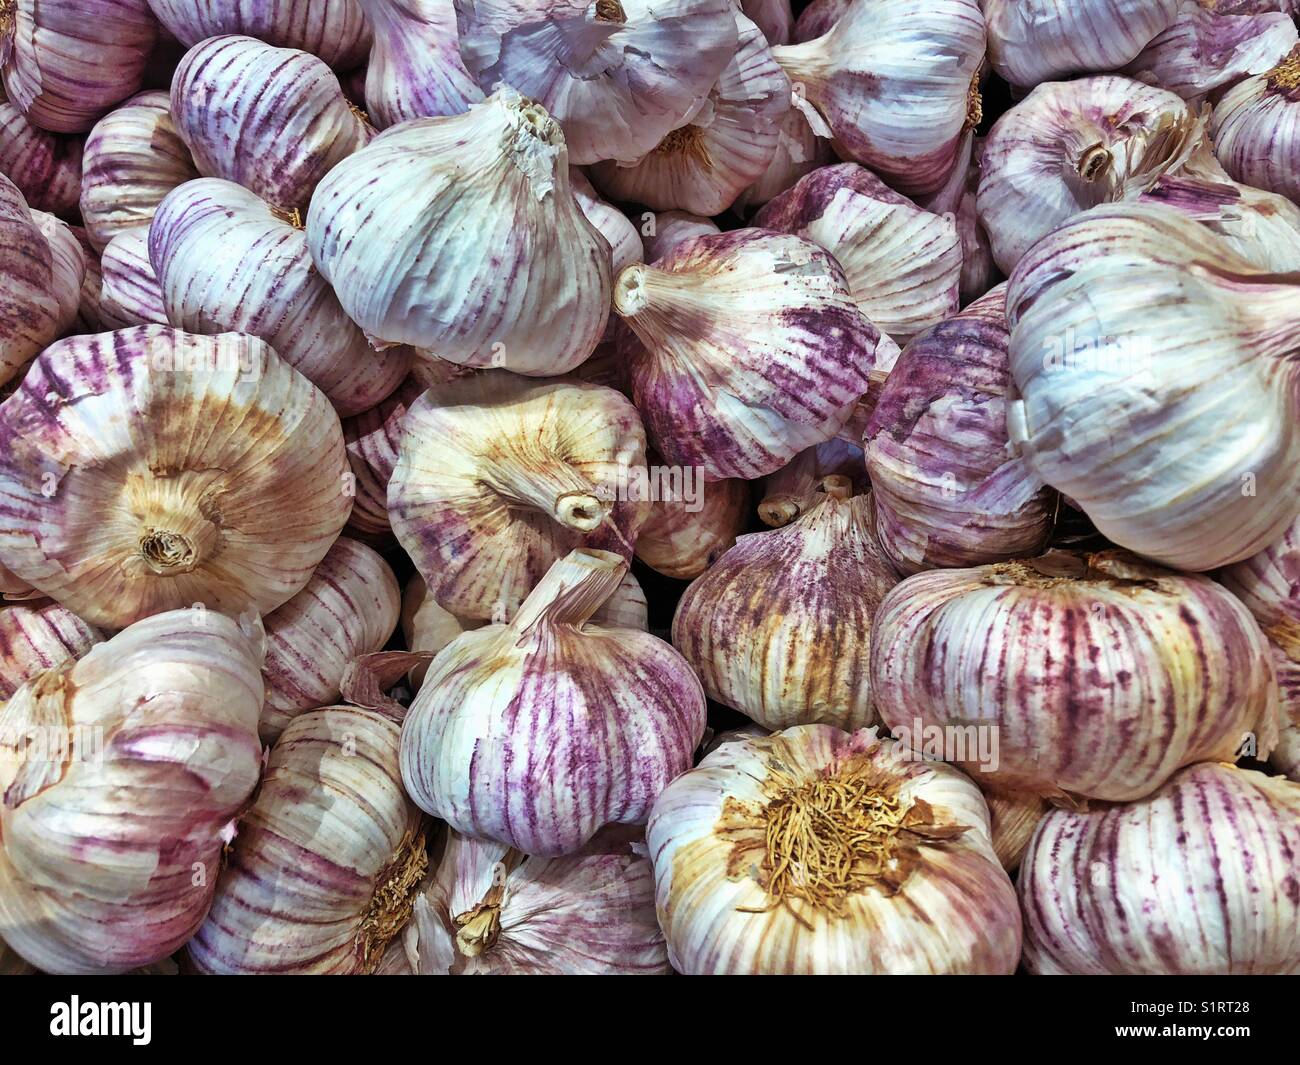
x: 602, y: 486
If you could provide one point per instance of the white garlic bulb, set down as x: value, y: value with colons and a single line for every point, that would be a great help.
x: 1256, y: 129
x: 334, y: 30
x: 372, y: 439
x: 129, y: 293
x: 816, y: 851
x: 46, y: 167
x: 681, y: 537
x: 36, y: 636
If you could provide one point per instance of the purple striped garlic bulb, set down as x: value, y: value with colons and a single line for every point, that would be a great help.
x: 487, y: 259
x: 664, y: 231
x: 499, y: 477
x: 682, y: 537
x: 704, y: 165
x: 619, y: 231
x: 325, y: 865
x: 800, y: 485
x: 979, y: 273
x: 618, y: 75
x: 114, y: 504
x: 46, y: 167
x: 1256, y: 129
x: 372, y: 439
x: 903, y: 264
x: 949, y: 490
x: 743, y: 349
x: 129, y: 293
x: 122, y: 774
x: 274, y: 120
x: 895, y: 82
x: 36, y: 636
x: 1073, y: 675
x: 230, y: 262
x: 1197, y: 879
x: 537, y: 733
x: 779, y: 627
x: 816, y: 851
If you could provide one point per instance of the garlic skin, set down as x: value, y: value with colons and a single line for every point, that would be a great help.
x: 98, y: 874
x: 129, y: 293
x: 799, y: 151
x: 1013, y: 818
x: 1256, y: 129
x: 979, y: 273
x: 704, y: 165
x: 36, y: 636
x: 949, y: 490
x: 800, y: 485
x: 667, y: 229
x: 88, y: 318
x: 903, y: 264
x: 940, y: 903
x: 880, y: 53
x: 743, y: 349
x: 617, y: 229
x: 426, y: 626
x: 372, y: 439
x: 466, y: 203
x: 348, y: 608
x: 1197, y: 879
x: 681, y: 542
x: 774, y: 17
x: 113, y: 505
x: 229, y: 262
x: 538, y: 733
x: 46, y: 167
x: 274, y: 120
x: 618, y: 75
x: 779, y: 627
x: 1132, y: 319
x: 325, y: 865
x: 1101, y: 674
x: 817, y: 19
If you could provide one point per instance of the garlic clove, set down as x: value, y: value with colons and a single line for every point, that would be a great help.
x: 36, y: 636
x: 1256, y: 129
x: 681, y: 538
x: 614, y: 225
x: 129, y: 291
x: 667, y: 229
x: 800, y: 485
x: 372, y: 439
x: 46, y: 167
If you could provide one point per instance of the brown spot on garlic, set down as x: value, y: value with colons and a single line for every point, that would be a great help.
x: 610, y: 11
x: 974, y: 103
x: 291, y: 215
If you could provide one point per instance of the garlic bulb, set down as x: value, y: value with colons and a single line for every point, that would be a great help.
x: 498, y: 477
x: 37, y: 636
x: 46, y: 167
x: 537, y: 733
x: 229, y: 261
x: 618, y: 75
x: 903, y: 264
x: 822, y: 852
x: 743, y: 349
x: 879, y: 54
x: 1095, y: 675
x: 112, y: 843
x: 1013, y: 817
x: 1033, y: 41
x: 1256, y: 129
x: 325, y: 865
x: 667, y: 229
x: 949, y: 491
x: 617, y: 229
x: 372, y: 439
x: 817, y: 19
x: 426, y: 626
x: 704, y: 165
x: 274, y: 120
x: 1072, y: 145
x: 133, y: 158
x: 415, y: 69
x: 113, y: 504
x: 487, y: 259
x: 1199, y: 878
x: 65, y: 64
x: 348, y: 608
x: 1132, y: 320
x: 979, y: 273
x: 799, y: 485
x: 682, y: 538
x: 88, y: 318
x: 490, y: 910
x: 129, y: 293
x: 799, y: 151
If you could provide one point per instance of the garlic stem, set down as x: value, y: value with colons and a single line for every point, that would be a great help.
x: 548, y: 484
x: 1094, y: 162
x: 572, y: 590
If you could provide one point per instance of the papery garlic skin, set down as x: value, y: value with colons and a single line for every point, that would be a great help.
x: 667, y: 229
x: 799, y: 151
x: 817, y: 19
x: 681, y: 538
x: 46, y: 167
x: 743, y: 349
x: 942, y: 903
x: 111, y: 858
x: 801, y: 484
x: 372, y: 439
x: 324, y: 866
x: 129, y: 292
x: 1197, y: 879
x: 1100, y: 675
x: 538, y: 733
x: 112, y: 503
x: 1256, y: 129
x: 426, y: 626
x: 37, y: 636
x: 487, y: 258
x: 622, y: 236
x: 1133, y: 319
x: 1013, y: 818
x: 979, y: 273
x: 617, y: 76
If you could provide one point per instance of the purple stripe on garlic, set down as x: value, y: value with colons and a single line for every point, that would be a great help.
x: 46, y: 167
x: 36, y: 636
x: 129, y: 293
x: 1256, y: 129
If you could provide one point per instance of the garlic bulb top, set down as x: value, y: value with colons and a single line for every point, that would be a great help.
x: 815, y: 851
x: 801, y: 484
x: 537, y: 733
x: 487, y: 259
x: 1256, y: 129
x: 618, y: 75
x: 113, y: 504
x: 36, y: 636
x: 743, y: 349
x: 46, y: 167
x: 120, y: 774
x: 1130, y: 321
x: 1199, y: 878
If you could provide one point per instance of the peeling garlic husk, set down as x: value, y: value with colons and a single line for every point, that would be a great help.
x: 1095, y: 675
x: 1132, y: 320
x: 324, y: 867
x: 114, y: 506
x: 617, y: 229
x: 682, y: 538
x: 918, y: 890
x: 487, y: 258
x: 1013, y: 818
x: 779, y: 627
x: 667, y: 229
x: 111, y: 856
x: 46, y: 167
x: 1256, y: 129
x: 799, y: 486
x: 743, y: 349
x: 818, y: 19
x: 372, y: 440
x: 979, y: 273
x: 618, y: 75
x: 129, y: 293
x: 1197, y: 879
x: 230, y: 262
x: 613, y: 713
x: 36, y: 636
